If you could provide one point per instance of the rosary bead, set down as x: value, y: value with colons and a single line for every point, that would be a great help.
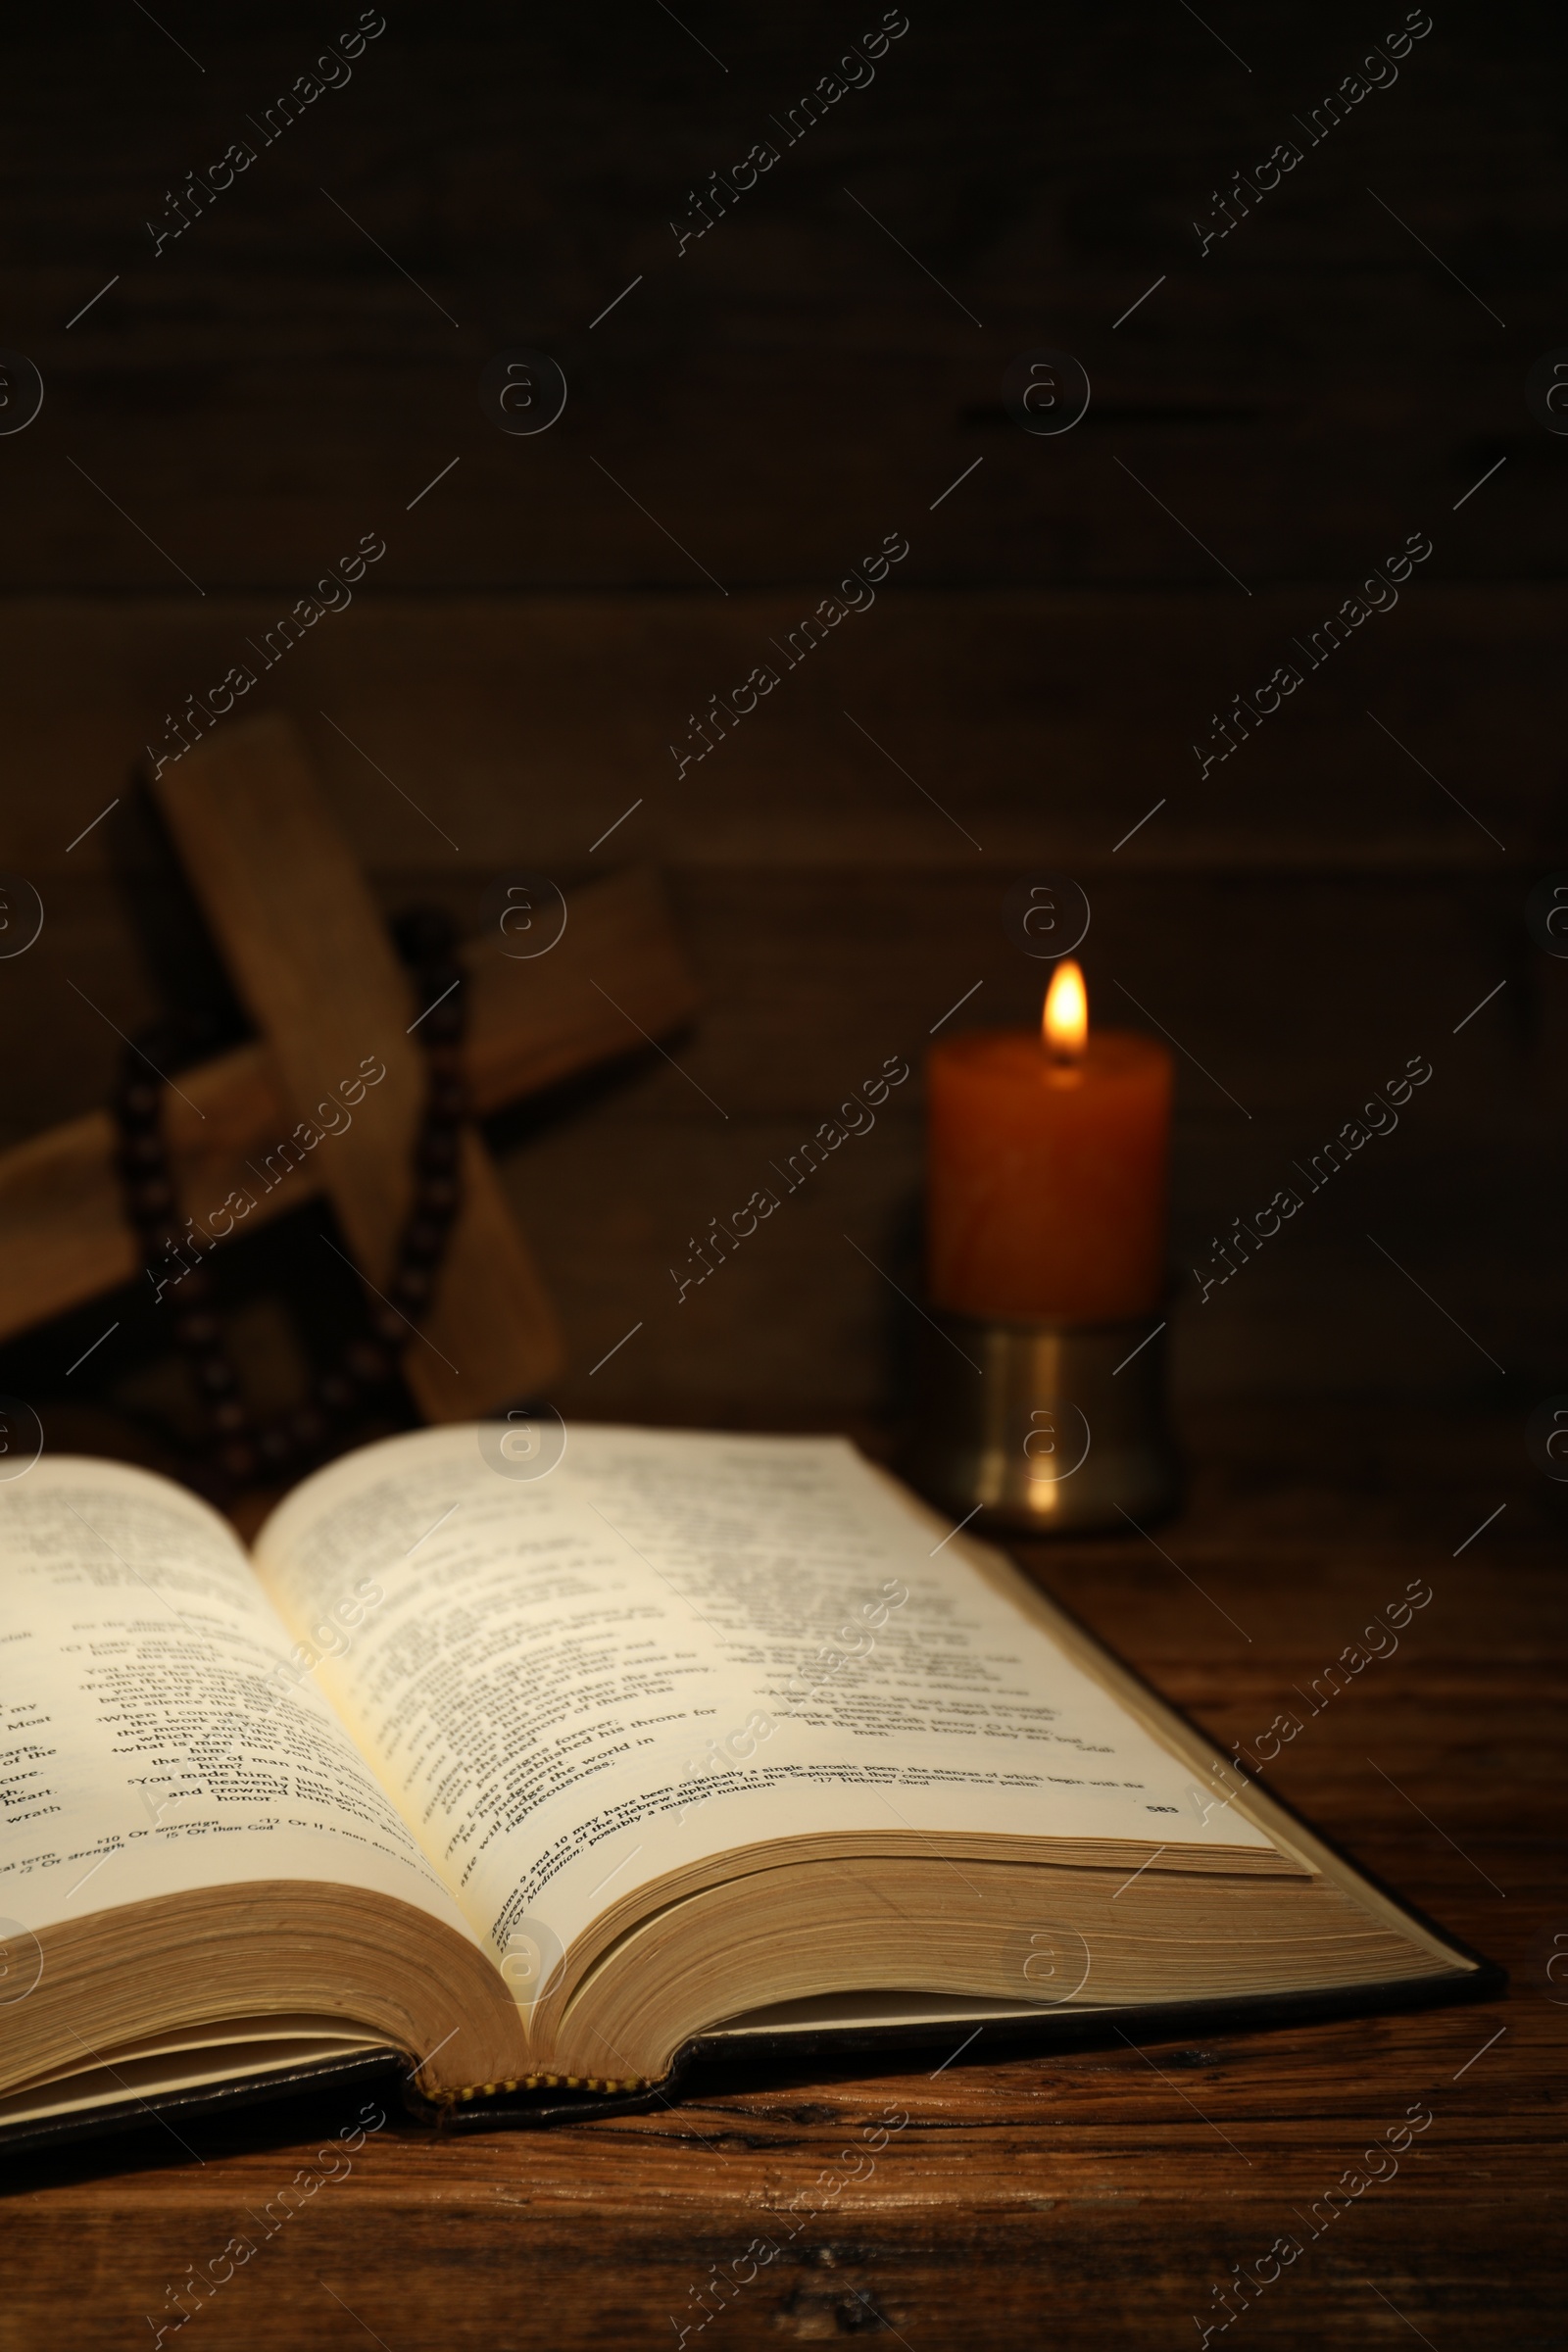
x: 160, y: 1044
x: 369, y: 1364
x: 335, y: 1392
x: 308, y: 1428
x: 410, y: 1288
x: 446, y: 1098
x: 230, y: 1415
x: 274, y: 1447
x: 238, y: 1460
x: 422, y: 1240
x: 136, y: 1103
x: 443, y: 1023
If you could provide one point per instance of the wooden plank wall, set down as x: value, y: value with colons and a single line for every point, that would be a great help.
x: 758, y: 413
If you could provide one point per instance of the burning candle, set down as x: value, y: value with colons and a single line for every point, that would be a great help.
x: 1047, y: 1167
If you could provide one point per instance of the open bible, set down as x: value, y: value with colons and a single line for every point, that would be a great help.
x: 543, y: 1760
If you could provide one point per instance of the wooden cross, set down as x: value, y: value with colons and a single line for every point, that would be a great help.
x: 308, y: 952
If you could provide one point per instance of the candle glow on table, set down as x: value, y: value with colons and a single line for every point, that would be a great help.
x: 1047, y: 1167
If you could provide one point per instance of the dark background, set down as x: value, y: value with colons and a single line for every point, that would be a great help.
x: 791, y: 389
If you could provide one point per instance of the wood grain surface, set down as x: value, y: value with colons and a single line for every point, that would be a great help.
x: 1314, y: 913
x: 618, y: 970
x: 294, y: 367
x: 1088, y: 2201
x: 230, y: 413
x: 294, y: 920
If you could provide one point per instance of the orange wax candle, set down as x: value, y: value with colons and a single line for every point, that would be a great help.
x: 1047, y: 1167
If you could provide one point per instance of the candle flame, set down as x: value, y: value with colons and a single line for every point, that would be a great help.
x: 1064, y: 1025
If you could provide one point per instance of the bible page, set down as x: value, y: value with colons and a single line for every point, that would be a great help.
x: 669, y: 1645
x: 159, y: 1729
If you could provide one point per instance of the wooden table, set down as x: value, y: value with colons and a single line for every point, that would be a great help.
x: 1089, y: 2200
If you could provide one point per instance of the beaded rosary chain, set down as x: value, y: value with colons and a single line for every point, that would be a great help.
x: 240, y: 1451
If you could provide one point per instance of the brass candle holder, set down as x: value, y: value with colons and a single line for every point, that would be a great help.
x: 1051, y: 1427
